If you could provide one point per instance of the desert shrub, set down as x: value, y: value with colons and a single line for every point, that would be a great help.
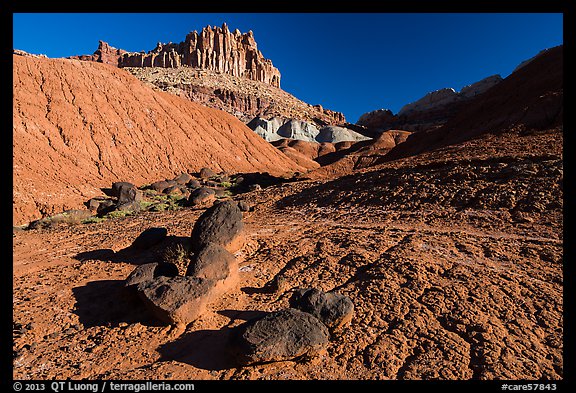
x: 178, y: 254
x: 144, y: 205
x: 119, y: 213
x: 92, y: 220
x: 159, y: 207
x: 69, y: 217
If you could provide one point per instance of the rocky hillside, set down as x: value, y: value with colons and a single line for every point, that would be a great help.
x: 241, y: 97
x: 429, y: 112
x: 528, y: 100
x: 78, y: 126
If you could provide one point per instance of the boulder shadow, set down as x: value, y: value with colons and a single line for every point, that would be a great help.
x: 132, y: 255
x: 126, y: 255
x: 263, y: 179
x: 108, y: 303
x: 203, y: 349
x: 208, y: 349
x: 108, y: 192
x: 255, y: 290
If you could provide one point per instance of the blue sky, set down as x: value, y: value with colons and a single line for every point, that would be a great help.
x: 351, y: 63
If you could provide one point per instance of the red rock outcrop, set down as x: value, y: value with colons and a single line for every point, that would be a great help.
x: 214, y: 48
x: 104, y: 54
x: 19, y: 52
x: 429, y: 112
x: 79, y: 126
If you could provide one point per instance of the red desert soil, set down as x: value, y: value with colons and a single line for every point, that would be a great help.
x: 79, y: 126
x: 453, y: 261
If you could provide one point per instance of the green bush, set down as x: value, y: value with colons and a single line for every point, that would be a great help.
x: 119, y: 213
x: 145, y: 204
x: 159, y: 207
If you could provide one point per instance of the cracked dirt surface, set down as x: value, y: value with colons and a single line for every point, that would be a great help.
x: 454, y: 268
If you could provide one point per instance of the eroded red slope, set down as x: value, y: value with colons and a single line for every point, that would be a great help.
x: 78, y: 126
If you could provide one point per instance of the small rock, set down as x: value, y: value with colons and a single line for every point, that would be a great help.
x: 221, y: 224
x: 128, y: 193
x: 149, y: 238
x: 206, y: 173
x: 212, y: 262
x: 183, y: 178
x: 193, y: 184
x: 37, y: 224
x: 176, y: 300
x: 219, y: 192
x: 332, y: 308
x: 128, y: 206
x: 200, y: 196
x: 278, y: 336
x: 243, y: 206
x: 254, y: 187
x: 117, y: 188
x: 94, y: 203
x: 224, y: 178
x: 173, y: 190
x: 159, y: 186
x: 105, y: 206
x: 210, y: 183
x: 150, y: 271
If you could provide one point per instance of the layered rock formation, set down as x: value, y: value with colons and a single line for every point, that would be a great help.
x: 214, y: 48
x: 350, y: 156
x: 528, y: 100
x: 241, y: 97
x: 335, y: 134
x: 19, y: 52
x: 429, y: 112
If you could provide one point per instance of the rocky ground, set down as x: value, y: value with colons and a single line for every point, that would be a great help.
x: 453, y: 261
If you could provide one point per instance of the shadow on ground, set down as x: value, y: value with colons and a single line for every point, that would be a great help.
x: 207, y: 349
x: 133, y: 255
x: 108, y: 303
x: 204, y: 349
